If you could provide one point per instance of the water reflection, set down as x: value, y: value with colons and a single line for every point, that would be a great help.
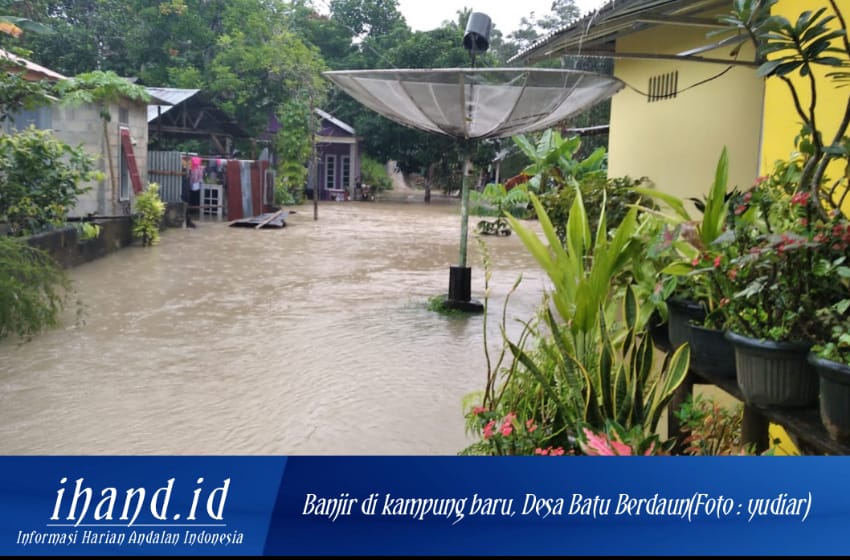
x: 313, y: 339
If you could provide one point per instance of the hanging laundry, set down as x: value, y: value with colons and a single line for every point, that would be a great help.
x: 196, y: 173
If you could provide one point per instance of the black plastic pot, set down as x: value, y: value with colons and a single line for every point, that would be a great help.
x: 711, y: 353
x: 834, y: 380
x: 680, y: 314
x: 774, y: 373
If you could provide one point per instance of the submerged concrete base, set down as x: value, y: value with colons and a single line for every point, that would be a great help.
x: 468, y: 306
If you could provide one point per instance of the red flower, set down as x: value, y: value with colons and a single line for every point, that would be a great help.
x: 478, y: 410
x: 801, y: 198
x: 717, y: 261
x: 530, y: 426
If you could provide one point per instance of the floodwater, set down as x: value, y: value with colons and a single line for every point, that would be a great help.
x: 311, y: 339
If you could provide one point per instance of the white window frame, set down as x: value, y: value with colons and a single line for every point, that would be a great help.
x: 330, y: 171
x: 345, y: 168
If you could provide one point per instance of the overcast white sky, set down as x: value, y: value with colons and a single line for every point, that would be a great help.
x: 424, y: 15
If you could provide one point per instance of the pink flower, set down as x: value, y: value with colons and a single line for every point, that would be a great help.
x: 551, y: 451
x: 507, y: 429
x: 695, y: 262
x: 478, y: 410
x: 717, y: 261
x: 488, y: 429
x: 530, y: 426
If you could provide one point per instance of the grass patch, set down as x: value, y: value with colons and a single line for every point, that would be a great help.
x: 437, y: 304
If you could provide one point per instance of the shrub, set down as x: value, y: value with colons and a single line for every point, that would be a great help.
x: 33, y: 289
x: 374, y: 174
x: 614, y: 196
x: 149, y: 212
x: 41, y: 179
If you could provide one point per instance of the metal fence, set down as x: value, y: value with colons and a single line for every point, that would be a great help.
x: 166, y: 168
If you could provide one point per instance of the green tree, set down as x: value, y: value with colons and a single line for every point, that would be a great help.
x: 88, y: 34
x: 33, y: 289
x: 42, y: 179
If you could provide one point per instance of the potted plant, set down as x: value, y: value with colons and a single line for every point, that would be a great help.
x: 831, y: 361
x: 688, y: 301
x: 785, y: 277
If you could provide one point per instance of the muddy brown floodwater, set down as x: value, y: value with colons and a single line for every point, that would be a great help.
x: 311, y: 339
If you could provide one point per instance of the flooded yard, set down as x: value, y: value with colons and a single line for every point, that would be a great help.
x: 311, y: 339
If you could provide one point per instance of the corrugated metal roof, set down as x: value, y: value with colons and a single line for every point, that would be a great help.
x: 613, y: 20
x: 32, y: 66
x: 327, y: 116
x: 173, y: 96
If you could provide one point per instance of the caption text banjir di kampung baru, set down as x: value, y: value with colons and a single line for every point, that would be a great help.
x: 699, y: 504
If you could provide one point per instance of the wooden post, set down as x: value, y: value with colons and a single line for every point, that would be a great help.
x: 754, y: 429
x: 674, y: 428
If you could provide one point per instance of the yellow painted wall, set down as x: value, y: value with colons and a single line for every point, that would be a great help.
x: 781, y: 123
x: 677, y: 142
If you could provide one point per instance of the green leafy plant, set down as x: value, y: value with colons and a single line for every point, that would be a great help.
x: 42, y: 178
x: 553, y: 164
x: 86, y: 231
x: 374, y: 174
x: 691, y: 242
x: 790, y: 280
x: 496, y: 200
x: 713, y: 429
x: 785, y: 48
x: 148, y: 217
x: 587, y: 361
x: 615, y: 195
x: 33, y: 289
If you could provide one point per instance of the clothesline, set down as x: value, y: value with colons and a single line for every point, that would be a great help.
x: 214, y: 158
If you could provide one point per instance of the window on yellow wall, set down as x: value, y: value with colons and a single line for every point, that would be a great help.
x: 663, y: 86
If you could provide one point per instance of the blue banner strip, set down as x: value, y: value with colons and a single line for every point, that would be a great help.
x: 376, y: 506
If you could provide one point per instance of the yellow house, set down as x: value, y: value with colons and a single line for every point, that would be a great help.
x: 690, y: 91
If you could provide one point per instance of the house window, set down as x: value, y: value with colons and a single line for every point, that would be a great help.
x: 124, y: 175
x: 41, y: 118
x: 663, y: 86
x: 123, y: 115
x: 345, y: 163
x: 330, y: 172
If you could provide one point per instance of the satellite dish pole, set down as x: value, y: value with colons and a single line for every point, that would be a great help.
x: 476, y: 39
